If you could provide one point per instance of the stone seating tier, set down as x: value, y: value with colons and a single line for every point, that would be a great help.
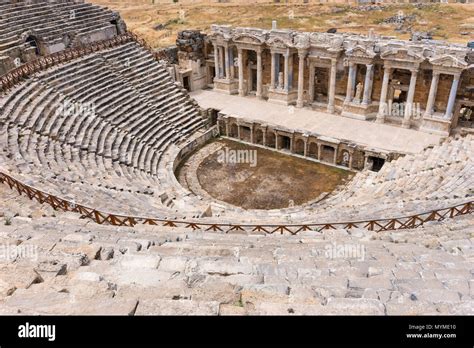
x: 84, y: 268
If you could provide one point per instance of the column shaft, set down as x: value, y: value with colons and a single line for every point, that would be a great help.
x: 241, y: 72
x: 259, y: 74
x: 273, y: 71
x: 312, y: 72
x: 290, y: 72
x: 432, y: 94
x: 369, y: 79
x: 221, y: 62
x: 287, y: 72
x: 351, y: 81
x: 299, y: 102
x: 332, y: 86
x: 216, y: 62
x: 227, y: 63
x: 231, y: 63
x: 383, y: 96
x: 409, y: 102
x: 452, y: 97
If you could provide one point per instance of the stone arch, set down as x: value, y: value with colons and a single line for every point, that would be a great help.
x: 270, y: 141
x: 299, y: 147
x: 222, y: 128
x: 345, y: 158
x: 258, y: 136
x: 234, y: 130
x: 313, y: 150
x: 327, y: 153
x: 33, y: 41
x: 245, y: 133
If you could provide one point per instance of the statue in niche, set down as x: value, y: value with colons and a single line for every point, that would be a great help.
x: 358, y: 94
x: 280, y: 80
x: 345, y: 158
x: 370, y: 164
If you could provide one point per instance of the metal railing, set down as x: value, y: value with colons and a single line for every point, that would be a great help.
x: 101, y: 217
x: 18, y: 74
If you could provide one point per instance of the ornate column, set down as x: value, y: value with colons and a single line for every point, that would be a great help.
x: 369, y: 80
x: 452, y: 96
x: 305, y: 150
x: 383, y: 96
x: 221, y: 62
x: 312, y: 72
x: 259, y: 73
x: 264, y: 132
x: 319, y: 151
x: 226, y: 127
x: 227, y: 63
x: 432, y: 94
x: 274, y: 72
x: 301, y: 56
x: 350, y: 82
x: 287, y: 71
x: 241, y: 72
x: 290, y: 71
x: 231, y: 63
x: 332, y: 86
x: 216, y: 62
x: 409, y: 102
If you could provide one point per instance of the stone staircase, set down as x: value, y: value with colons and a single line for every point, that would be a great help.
x: 92, y: 129
x: 77, y: 267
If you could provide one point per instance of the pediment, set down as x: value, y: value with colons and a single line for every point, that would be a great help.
x: 448, y: 61
x: 302, y: 41
x: 279, y: 42
x: 218, y: 36
x: 360, y: 52
x: 402, y: 54
x: 248, y: 38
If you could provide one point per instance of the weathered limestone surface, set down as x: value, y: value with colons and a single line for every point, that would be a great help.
x: 191, y: 273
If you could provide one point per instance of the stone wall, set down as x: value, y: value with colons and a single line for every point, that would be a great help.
x: 190, y: 44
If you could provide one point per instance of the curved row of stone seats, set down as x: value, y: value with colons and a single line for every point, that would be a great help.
x: 50, y: 21
x: 29, y: 29
x: 66, y: 265
x: 438, y: 177
x: 92, y: 131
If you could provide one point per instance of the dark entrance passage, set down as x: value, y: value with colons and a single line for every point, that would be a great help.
x: 186, y: 84
x: 285, y: 142
x: 377, y: 163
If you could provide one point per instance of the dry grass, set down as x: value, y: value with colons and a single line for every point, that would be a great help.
x: 446, y: 21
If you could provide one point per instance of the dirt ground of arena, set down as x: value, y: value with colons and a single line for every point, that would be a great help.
x: 267, y: 179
